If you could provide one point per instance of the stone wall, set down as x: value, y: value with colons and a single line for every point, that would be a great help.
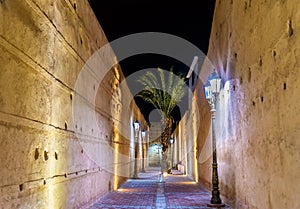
x: 61, y: 134
x: 254, y: 46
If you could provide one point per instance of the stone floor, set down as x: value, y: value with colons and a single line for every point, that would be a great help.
x: 147, y: 192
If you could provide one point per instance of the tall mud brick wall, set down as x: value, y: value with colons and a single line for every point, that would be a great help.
x: 255, y: 47
x: 45, y: 160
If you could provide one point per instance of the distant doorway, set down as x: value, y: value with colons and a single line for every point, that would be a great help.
x: 154, y: 154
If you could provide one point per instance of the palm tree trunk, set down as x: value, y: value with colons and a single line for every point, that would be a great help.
x: 165, y: 141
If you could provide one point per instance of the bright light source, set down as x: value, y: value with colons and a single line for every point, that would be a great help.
x: 171, y: 140
x: 136, y: 125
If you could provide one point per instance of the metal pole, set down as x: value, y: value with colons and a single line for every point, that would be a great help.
x: 161, y: 175
x: 135, y: 175
x: 143, y: 158
x: 215, y: 199
x: 171, y: 155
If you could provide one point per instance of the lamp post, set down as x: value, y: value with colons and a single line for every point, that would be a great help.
x: 212, y: 90
x: 161, y: 173
x: 171, y: 142
x: 136, y: 126
x: 143, y: 153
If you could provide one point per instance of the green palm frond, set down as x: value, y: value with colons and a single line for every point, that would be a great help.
x: 161, y: 93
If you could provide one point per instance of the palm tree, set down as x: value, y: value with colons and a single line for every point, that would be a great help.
x: 164, y: 94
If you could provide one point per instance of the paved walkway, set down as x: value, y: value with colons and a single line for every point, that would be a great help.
x: 146, y: 192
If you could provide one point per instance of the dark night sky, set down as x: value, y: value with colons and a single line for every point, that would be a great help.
x: 190, y: 20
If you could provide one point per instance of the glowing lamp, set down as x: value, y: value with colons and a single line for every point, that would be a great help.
x: 136, y: 125
x: 215, y: 82
x: 207, y: 90
x: 143, y: 134
x: 171, y: 140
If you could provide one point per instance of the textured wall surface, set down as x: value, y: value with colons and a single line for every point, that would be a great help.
x: 48, y: 158
x: 193, y: 137
x: 255, y: 47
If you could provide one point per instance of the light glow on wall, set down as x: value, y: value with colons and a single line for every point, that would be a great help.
x: 195, y: 121
x: 226, y: 113
x: 187, y: 182
x: 185, y: 156
x: 51, y: 200
x: 195, y: 159
x: 116, y: 159
x: 52, y: 163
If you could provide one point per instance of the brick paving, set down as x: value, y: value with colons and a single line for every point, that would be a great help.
x: 146, y: 192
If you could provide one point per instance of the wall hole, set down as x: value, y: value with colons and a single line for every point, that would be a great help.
x: 274, y: 53
x: 235, y: 55
x: 262, y: 99
x: 260, y: 61
x: 66, y: 125
x: 253, y: 103
x: 81, y: 41
x: 74, y: 6
x: 21, y: 187
x: 71, y: 96
x: 225, y: 66
x: 65, y: 175
x: 245, y: 6
x: 249, y: 74
x: 233, y: 87
x: 81, y: 151
x: 76, y: 173
x: 241, y: 80
x: 46, y: 156
x: 36, y: 153
x: 290, y: 28
x: 56, y: 155
x: 44, y: 182
x: 284, y: 86
x: 230, y: 35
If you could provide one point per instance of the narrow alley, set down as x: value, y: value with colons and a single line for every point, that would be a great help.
x: 96, y: 101
x: 147, y: 192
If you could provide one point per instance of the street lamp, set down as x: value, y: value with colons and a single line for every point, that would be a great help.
x: 171, y: 142
x: 212, y: 89
x: 136, y: 126
x: 143, y: 152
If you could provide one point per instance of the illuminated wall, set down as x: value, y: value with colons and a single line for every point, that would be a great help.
x: 47, y: 159
x: 254, y: 46
x: 193, y: 139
